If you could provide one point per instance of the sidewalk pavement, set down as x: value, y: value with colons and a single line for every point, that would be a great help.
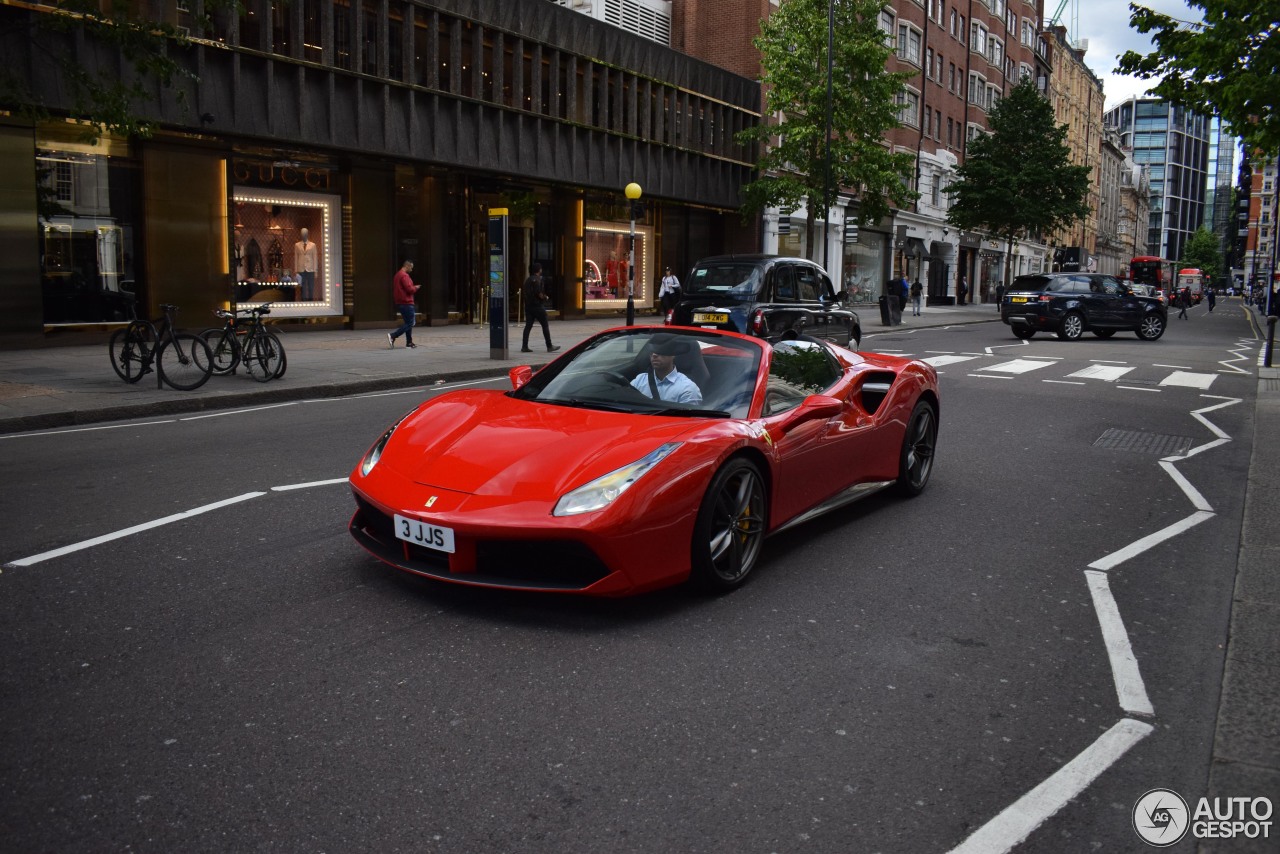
x: 59, y: 387
x: 53, y: 387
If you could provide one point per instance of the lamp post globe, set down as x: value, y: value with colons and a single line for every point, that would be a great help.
x: 632, y: 192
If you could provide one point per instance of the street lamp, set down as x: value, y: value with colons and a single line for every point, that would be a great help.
x: 633, y: 195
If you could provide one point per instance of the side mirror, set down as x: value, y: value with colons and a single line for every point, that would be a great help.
x: 813, y: 407
x: 520, y: 376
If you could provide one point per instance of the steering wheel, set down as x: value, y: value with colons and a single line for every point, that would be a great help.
x: 615, y: 378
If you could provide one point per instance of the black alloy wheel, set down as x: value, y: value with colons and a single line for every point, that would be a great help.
x: 915, y: 463
x: 730, y: 529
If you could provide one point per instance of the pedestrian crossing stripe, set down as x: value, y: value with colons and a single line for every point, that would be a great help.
x: 1106, y: 373
x: 1019, y: 366
x: 939, y: 361
x: 1189, y: 379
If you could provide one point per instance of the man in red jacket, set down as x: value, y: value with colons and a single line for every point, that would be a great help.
x: 402, y: 291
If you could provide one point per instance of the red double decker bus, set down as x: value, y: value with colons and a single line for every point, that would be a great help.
x: 1159, y: 273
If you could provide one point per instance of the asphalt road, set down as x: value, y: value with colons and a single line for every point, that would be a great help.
x: 895, y: 677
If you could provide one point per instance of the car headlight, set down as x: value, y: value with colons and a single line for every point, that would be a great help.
x: 603, y: 490
x: 375, y: 453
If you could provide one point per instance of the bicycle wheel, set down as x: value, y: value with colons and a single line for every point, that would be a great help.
x: 284, y: 361
x: 185, y: 361
x: 223, y: 348
x: 262, y: 357
x: 130, y: 350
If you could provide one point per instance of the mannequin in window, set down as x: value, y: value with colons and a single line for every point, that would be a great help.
x: 306, y: 257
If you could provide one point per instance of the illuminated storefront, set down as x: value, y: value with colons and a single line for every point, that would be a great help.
x: 287, y: 250
x: 605, y: 275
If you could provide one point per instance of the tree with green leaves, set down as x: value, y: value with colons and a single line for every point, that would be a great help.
x: 48, y: 38
x: 1017, y: 181
x: 1225, y: 65
x: 845, y: 132
x: 1201, y: 250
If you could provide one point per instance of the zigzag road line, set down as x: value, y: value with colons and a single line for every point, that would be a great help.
x: 1240, y: 355
x: 1020, y: 819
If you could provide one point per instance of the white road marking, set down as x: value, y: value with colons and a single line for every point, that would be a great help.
x: 1175, y: 367
x: 125, y: 532
x: 293, y: 486
x: 238, y: 411
x: 1189, y: 379
x: 991, y: 376
x: 1137, y: 388
x: 1150, y: 541
x: 1019, y: 366
x: 1130, y: 690
x: 1106, y: 373
x: 1062, y: 382
x: 1193, y: 494
x: 1034, y: 808
x: 85, y: 429
x: 939, y: 361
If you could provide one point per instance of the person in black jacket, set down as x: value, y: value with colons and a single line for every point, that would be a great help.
x: 534, y: 294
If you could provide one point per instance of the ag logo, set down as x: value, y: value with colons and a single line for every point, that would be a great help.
x: 1161, y: 817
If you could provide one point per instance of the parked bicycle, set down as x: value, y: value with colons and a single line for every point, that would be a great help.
x: 182, y: 359
x: 251, y: 343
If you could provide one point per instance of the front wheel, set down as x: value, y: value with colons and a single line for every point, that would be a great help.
x: 224, y: 348
x: 730, y: 528
x: 262, y: 357
x: 185, y: 362
x: 1071, y: 327
x: 1151, y: 327
x: 130, y: 350
x: 915, y: 461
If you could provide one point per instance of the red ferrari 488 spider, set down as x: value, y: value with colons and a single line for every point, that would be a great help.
x: 643, y: 457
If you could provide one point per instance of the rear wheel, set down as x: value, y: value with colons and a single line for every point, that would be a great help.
x: 1071, y: 327
x: 1023, y: 332
x: 185, y: 362
x: 1151, y: 327
x: 284, y: 360
x: 915, y: 463
x: 730, y: 528
x: 130, y: 350
x: 262, y: 357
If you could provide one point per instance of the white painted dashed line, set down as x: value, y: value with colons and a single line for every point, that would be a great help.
x: 243, y: 411
x: 1063, y: 382
x: 1130, y: 690
x: 292, y: 486
x: 86, y: 429
x: 992, y: 376
x: 125, y: 532
x: 1137, y: 388
x: 1037, y: 806
x: 1174, y: 367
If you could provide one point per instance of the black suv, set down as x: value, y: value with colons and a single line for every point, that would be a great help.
x: 768, y: 296
x: 1070, y: 304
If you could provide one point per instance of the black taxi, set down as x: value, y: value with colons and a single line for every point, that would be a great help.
x: 768, y: 296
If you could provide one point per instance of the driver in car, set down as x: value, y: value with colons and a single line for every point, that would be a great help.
x: 662, y: 381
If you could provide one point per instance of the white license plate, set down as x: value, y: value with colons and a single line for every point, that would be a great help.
x: 422, y: 534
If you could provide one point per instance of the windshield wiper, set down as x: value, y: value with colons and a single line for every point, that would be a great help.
x: 586, y: 404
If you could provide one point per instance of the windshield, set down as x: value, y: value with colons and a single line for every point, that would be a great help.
x: 695, y: 374
x: 738, y: 279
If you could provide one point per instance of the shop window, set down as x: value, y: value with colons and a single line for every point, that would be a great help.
x: 274, y: 261
x: 88, y: 206
x: 606, y: 274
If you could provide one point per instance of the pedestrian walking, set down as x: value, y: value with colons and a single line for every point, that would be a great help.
x: 1184, y: 301
x: 669, y: 290
x: 1213, y: 299
x: 917, y: 291
x: 402, y: 294
x: 535, y: 296
x: 962, y: 289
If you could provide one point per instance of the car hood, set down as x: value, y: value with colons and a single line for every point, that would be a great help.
x: 486, y: 443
